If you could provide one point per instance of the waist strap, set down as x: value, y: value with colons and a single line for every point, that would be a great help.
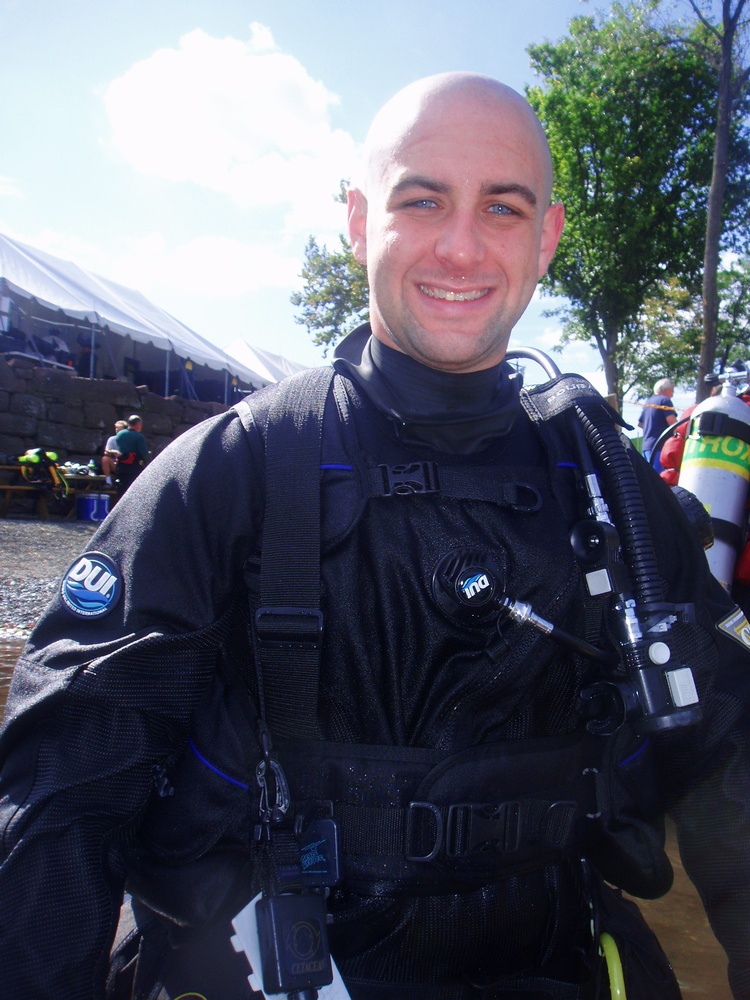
x: 441, y: 825
x: 425, y: 831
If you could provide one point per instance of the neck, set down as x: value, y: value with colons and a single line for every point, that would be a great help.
x: 455, y: 413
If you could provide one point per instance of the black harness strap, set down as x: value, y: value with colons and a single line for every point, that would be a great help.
x: 289, y: 622
x: 713, y: 423
x: 424, y: 831
x: 463, y: 482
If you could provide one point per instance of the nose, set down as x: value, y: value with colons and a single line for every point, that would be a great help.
x: 460, y: 243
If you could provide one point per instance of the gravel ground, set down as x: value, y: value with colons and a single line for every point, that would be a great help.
x: 33, y: 556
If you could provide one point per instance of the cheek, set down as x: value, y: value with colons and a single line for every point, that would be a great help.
x: 519, y: 260
x: 389, y: 252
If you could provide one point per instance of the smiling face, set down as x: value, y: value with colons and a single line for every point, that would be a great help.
x: 454, y: 223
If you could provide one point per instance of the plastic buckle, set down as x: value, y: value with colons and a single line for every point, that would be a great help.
x: 414, y: 477
x: 412, y: 819
x: 288, y: 627
x: 474, y: 826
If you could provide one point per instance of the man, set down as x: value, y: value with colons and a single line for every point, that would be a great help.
x: 657, y: 414
x: 300, y: 656
x: 132, y: 453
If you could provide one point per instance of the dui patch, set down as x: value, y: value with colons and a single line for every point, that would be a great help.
x: 737, y: 627
x: 91, y: 586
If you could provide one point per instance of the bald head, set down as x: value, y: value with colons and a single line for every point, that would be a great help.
x: 453, y: 218
x: 431, y: 100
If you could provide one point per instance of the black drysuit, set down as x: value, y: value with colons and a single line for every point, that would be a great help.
x: 129, y: 747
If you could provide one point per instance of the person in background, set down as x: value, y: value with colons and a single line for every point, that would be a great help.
x: 670, y: 455
x: 132, y: 454
x: 83, y: 359
x: 111, y: 452
x: 657, y: 414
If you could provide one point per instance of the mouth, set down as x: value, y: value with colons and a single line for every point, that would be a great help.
x: 449, y: 296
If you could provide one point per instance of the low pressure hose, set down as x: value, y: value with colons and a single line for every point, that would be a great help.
x: 628, y: 509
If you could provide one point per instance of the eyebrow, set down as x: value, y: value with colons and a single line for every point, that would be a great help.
x: 440, y: 187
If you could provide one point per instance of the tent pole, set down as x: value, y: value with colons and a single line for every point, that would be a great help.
x: 226, y: 388
x: 92, y: 359
x: 166, y: 374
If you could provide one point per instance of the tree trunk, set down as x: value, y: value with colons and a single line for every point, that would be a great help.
x: 715, y: 208
x: 608, y: 351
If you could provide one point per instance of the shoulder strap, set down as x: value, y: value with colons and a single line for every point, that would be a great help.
x: 289, y: 622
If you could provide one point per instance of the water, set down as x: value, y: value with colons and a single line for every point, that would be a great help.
x: 678, y: 919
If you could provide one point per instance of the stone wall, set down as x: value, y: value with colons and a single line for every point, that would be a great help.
x: 54, y: 409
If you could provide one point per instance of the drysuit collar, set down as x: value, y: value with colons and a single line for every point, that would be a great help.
x: 455, y: 413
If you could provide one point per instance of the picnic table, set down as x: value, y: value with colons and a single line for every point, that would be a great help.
x: 45, y: 483
x: 13, y: 484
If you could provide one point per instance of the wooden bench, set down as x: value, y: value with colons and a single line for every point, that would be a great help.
x: 12, y: 487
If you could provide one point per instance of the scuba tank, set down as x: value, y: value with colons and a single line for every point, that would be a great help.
x: 716, y: 468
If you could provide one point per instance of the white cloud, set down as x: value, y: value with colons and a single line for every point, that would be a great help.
x: 212, y: 266
x: 9, y: 188
x: 238, y: 117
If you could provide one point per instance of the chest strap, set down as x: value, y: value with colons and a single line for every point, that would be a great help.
x: 488, y: 483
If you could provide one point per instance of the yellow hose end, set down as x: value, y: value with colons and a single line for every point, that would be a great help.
x: 614, y: 966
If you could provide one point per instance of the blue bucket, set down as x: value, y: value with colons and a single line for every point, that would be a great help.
x: 92, y: 506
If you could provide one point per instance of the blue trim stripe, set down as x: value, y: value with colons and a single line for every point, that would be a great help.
x: 210, y: 766
x: 638, y: 753
x: 336, y: 465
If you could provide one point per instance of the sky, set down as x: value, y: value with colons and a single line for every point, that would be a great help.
x: 188, y: 148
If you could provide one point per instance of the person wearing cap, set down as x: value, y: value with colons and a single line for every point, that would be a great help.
x: 133, y: 453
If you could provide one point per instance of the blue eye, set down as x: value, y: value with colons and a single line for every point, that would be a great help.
x: 501, y: 210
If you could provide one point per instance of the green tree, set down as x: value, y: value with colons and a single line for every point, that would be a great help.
x: 629, y: 123
x: 335, y: 295
x: 667, y: 335
x: 733, y: 325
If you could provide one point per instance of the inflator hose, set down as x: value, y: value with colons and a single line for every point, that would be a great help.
x: 625, y: 494
x: 628, y: 509
x: 614, y: 967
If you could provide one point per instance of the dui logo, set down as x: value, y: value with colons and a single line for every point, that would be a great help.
x: 91, y: 586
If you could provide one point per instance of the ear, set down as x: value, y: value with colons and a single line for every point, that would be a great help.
x: 357, y: 215
x: 552, y: 227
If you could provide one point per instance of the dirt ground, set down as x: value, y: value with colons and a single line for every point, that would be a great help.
x: 680, y: 923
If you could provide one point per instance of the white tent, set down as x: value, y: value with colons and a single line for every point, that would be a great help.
x: 273, y: 367
x: 42, y: 295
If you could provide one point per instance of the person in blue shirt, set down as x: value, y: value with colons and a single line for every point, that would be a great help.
x: 657, y: 414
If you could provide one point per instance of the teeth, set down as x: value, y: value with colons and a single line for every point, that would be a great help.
x: 442, y: 293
